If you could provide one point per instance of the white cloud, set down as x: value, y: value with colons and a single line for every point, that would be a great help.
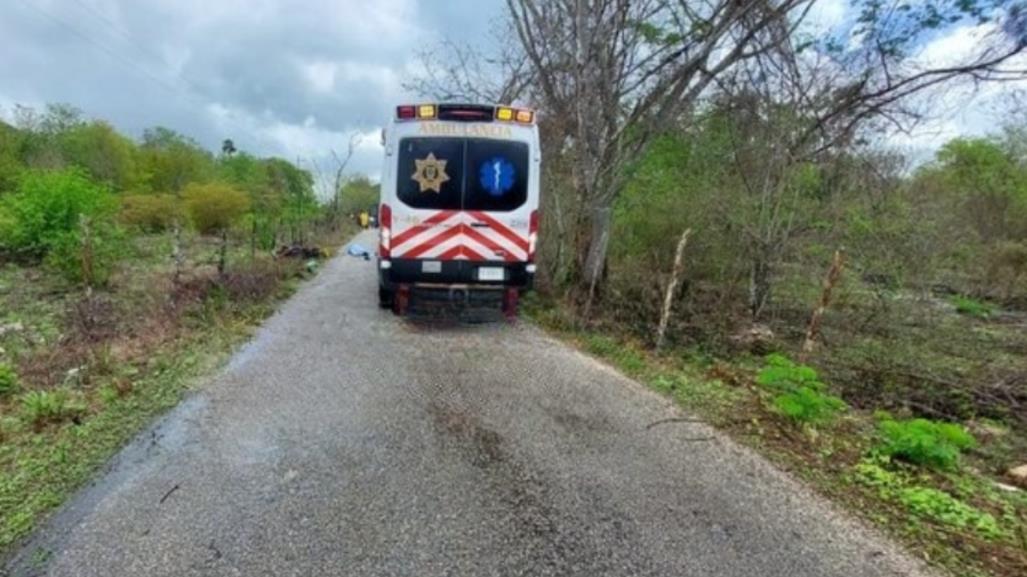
x: 826, y: 15
x: 959, y: 109
x: 320, y: 75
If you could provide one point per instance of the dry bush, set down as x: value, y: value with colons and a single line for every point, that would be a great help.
x: 257, y: 282
x: 92, y: 319
x: 49, y: 367
x: 215, y: 207
x: 150, y: 212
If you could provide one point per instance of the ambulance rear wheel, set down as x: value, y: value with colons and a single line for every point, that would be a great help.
x: 385, y: 298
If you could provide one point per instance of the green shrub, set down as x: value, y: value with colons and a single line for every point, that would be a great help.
x: 807, y: 405
x: 782, y: 375
x: 90, y: 254
x: 150, y: 212
x: 46, y: 207
x: 972, y: 307
x: 800, y: 395
x: 42, y: 407
x: 214, y: 207
x: 8, y: 380
x: 942, y: 507
x: 600, y: 345
x: 924, y: 442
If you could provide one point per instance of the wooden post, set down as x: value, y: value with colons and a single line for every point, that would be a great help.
x: 668, y: 297
x: 813, y: 330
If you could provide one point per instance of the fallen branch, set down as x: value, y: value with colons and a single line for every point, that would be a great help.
x: 673, y: 420
x: 168, y: 494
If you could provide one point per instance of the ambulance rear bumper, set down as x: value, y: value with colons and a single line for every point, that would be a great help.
x: 454, y: 272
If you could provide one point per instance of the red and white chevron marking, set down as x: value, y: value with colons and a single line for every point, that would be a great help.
x: 451, y: 235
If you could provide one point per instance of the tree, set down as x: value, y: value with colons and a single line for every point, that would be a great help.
x: 171, y: 160
x: 107, y: 156
x: 214, y: 208
x: 620, y: 72
x: 228, y: 147
x: 46, y: 207
x: 357, y: 194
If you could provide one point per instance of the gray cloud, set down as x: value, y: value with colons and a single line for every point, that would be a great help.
x: 279, y: 77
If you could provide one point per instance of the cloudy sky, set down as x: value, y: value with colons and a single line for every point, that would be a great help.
x: 280, y: 77
x: 286, y: 78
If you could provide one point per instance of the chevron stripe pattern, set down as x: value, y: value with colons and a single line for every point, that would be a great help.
x: 460, y: 235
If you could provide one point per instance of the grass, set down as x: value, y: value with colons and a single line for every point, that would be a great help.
x: 956, y: 517
x: 972, y: 307
x: 90, y: 372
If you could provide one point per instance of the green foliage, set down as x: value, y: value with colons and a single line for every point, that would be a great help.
x: 43, y: 407
x: 357, y: 194
x: 172, y: 161
x: 972, y: 307
x: 924, y: 442
x: 150, y: 212
x: 800, y: 395
x: 945, y: 508
x: 927, y: 502
x: 8, y: 380
x: 47, y: 207
x: 88, y: 255
x: 807, y: 405
x: 781, y: 374
x: 108, y: 157
x: 215, y: 207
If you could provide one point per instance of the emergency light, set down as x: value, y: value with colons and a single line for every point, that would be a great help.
x: 464, y: 113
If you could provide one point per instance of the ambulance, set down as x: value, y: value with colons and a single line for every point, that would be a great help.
x: 458, y: 213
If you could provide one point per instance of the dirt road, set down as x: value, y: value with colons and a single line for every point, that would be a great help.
x: 345, y: 441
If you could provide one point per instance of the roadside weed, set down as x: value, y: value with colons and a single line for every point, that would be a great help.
x: 42, y: 407
x: 972, y: 307
x: 8, y: 380
x: 800, y: 395
x: 945, y: 508
x: 924, y: 442
x: 808, y: 405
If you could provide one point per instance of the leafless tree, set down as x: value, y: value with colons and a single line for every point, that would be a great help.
x: 622, y: 71
x: 462, y: 73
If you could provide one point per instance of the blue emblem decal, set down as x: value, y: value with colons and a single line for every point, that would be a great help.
x: 497, y: 176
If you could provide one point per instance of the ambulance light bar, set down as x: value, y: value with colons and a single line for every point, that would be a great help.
x: 464, y: 113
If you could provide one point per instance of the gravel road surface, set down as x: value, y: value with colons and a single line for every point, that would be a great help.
x: 344, y: 441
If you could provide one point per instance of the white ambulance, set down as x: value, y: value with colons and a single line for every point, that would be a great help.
x: 459, y: 206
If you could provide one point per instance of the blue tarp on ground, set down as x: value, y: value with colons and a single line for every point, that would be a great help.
x: 358, y: 250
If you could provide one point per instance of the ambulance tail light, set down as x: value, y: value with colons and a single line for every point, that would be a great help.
x: 406, y: 112
x: 385, y: 231
x: 532, y: 235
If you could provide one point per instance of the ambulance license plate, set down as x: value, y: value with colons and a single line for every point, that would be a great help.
x: 491, y: 273
x: 431, y: 266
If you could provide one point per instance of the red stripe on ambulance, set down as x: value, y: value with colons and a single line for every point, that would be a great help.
x: 421, y: 239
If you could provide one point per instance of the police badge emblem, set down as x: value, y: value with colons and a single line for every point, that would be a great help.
x: 430, y: 173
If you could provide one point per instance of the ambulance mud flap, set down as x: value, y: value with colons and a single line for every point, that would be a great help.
x: 402, y: 300
x: 510, y: 297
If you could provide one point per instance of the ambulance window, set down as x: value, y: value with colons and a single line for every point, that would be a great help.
x: 497, y: 175
x: 430, y: 172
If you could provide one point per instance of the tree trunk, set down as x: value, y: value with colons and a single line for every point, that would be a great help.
x: 223, y: 253
x: 759, y: 284
x: 813, y: 330
x: 177, y: 256
x: 595, y: 256
x: 668, y: 299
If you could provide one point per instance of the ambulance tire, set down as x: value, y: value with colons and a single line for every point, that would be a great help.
x: 385, y: 298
